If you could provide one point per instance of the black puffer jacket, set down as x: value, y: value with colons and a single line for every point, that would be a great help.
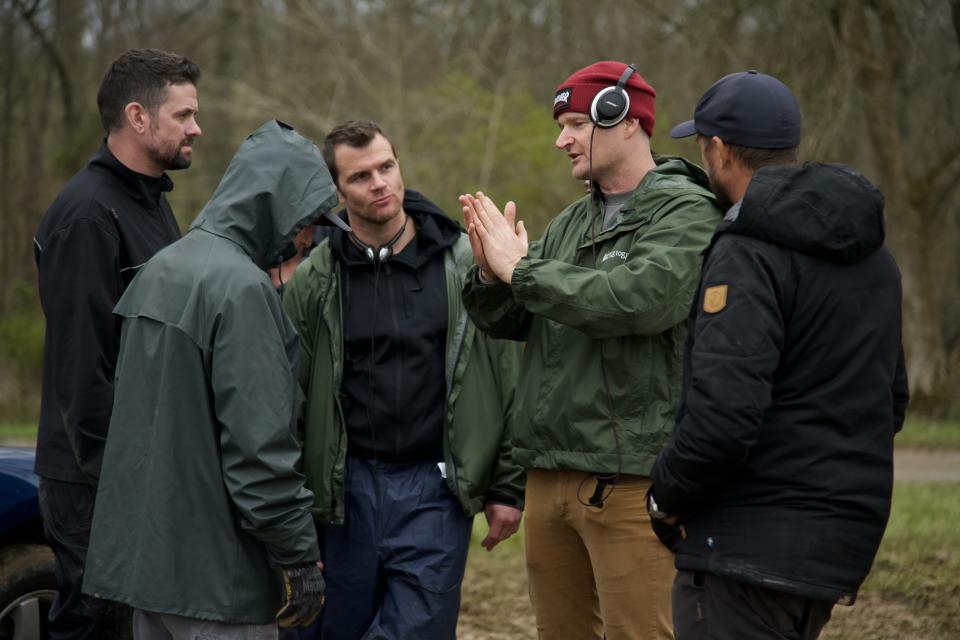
x: 781, y: 466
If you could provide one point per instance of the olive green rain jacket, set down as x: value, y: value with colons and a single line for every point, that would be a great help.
x: 199, y: 502
x: 618, y: 297
x: 481, y: 375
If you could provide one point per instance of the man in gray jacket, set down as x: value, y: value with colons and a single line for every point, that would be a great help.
x: 200, y: 510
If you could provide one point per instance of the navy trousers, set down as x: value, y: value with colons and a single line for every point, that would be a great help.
x: 394, y: 568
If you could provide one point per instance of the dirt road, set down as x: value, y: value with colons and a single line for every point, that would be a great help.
x: 926, y: 465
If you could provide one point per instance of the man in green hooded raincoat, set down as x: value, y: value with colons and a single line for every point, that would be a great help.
x: 202, y: 522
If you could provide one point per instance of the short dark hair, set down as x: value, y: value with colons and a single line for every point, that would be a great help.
x: 753, y: 158
x: 141, y: 75
x: 353, y: 133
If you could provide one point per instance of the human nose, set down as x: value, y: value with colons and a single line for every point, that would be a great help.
x: 193, y: 129
x: 378, y: 181
x: 563, y: 140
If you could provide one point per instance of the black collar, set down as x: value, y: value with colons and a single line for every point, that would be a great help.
x: 146, y: 189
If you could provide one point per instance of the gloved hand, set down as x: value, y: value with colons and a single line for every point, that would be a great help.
x: 668, y: 534
x: 303, y: 589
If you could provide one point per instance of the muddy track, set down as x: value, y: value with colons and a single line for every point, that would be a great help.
x: 927, y: 465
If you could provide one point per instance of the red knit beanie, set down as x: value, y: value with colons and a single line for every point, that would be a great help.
x: 577, y: 92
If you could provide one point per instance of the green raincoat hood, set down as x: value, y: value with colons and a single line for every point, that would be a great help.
x: 276, y: 184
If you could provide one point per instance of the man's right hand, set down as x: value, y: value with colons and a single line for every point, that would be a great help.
x: 303, y: 589
x: 486, y: 276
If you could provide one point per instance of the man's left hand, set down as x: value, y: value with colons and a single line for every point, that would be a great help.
x: 504, y: 240
x: 504, y: 521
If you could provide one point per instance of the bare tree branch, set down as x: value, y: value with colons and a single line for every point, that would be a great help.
x: 63, y: 77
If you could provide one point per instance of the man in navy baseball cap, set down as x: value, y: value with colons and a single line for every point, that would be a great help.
x: 750, y: 117
x: 750, y: 109
x: 775, y: 489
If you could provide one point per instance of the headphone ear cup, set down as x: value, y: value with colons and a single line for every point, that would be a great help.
x: 609, y: 107
x: 371, y: 256
x: 385, y: 253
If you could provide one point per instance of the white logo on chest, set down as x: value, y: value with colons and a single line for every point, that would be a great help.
x: 616, y: 253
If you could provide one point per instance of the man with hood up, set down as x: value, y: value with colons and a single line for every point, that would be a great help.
x: 407, y: 404
x: 600, y: 300
x: 202, y: 522
x: 775, y: 489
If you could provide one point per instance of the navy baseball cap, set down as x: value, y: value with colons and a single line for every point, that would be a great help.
x: 750, y: 109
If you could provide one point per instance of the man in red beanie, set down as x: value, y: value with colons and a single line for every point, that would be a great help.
x: 601, y: 301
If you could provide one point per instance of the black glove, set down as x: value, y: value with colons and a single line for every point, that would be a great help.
x: 303, y: 589
x: 668, y: 533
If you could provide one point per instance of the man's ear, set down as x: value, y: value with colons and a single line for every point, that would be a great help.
x: 721, y: 152
x: 631, y: 126
x: 137, y: 117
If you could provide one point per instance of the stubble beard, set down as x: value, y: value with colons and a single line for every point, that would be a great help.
x: 723, y: 197
x: 171, y: 158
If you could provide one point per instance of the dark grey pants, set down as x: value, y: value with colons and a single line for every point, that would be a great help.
x: 67, y: 512
x: 709, y: 607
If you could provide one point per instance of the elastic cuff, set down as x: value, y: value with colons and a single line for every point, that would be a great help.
x: 501, y: 498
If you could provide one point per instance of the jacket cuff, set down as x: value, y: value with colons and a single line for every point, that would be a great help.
x: 502, y: 498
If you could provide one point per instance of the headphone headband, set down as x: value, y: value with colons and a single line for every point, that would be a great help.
x: 612, y: 104
x: 629, y: 71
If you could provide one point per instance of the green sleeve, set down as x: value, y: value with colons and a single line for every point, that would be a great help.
x: 492, y: 307
x: 509, y: 478
x: 297, y: 304
x: 252, y: 382
x: 646, y: 295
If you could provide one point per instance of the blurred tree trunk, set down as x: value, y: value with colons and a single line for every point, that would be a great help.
x: 917, y: 199
x: 8, y: 73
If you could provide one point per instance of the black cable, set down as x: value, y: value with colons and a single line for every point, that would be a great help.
x: 604, y: 480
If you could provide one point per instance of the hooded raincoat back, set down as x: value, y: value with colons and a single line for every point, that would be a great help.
x: 199, y: 501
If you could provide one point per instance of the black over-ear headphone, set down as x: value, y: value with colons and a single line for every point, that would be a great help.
x: 612, y: 104
x: 385, y: 251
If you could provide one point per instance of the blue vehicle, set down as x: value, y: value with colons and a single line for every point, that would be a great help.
x: 27, y: 581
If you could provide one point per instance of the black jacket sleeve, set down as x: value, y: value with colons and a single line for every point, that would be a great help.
x: 735, y: 352
x: 79, y: 283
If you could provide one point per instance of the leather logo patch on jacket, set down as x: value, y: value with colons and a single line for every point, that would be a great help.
x: 715, y: 298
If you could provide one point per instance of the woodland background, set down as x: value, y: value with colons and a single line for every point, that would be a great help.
x: 465, y: 90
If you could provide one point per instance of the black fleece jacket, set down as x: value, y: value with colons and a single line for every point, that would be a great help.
x: 104, y: 225
x: 781, y: 465
x: 395, y: 318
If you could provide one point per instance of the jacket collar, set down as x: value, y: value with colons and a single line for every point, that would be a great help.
x: 146, y: 189
x: 435, y: 232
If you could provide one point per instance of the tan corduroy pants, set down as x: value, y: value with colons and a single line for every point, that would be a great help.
x: 595, y: 572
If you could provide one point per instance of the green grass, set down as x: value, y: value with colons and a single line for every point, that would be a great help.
x: 21, y: 433
x: 913, y: 590
x: 919, y: 559
x: 925, y: 434
x: 929, y: 434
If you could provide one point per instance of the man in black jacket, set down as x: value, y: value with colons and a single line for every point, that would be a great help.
x: 775, y: 489
x: 110, y: 218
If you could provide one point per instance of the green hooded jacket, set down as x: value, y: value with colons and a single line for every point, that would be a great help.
x: 620, y: 297
x: 199, y: 501
x: 481, y: 376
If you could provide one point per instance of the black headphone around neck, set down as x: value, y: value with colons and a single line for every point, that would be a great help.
x: 612, y: 104
x: 385, y: 251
